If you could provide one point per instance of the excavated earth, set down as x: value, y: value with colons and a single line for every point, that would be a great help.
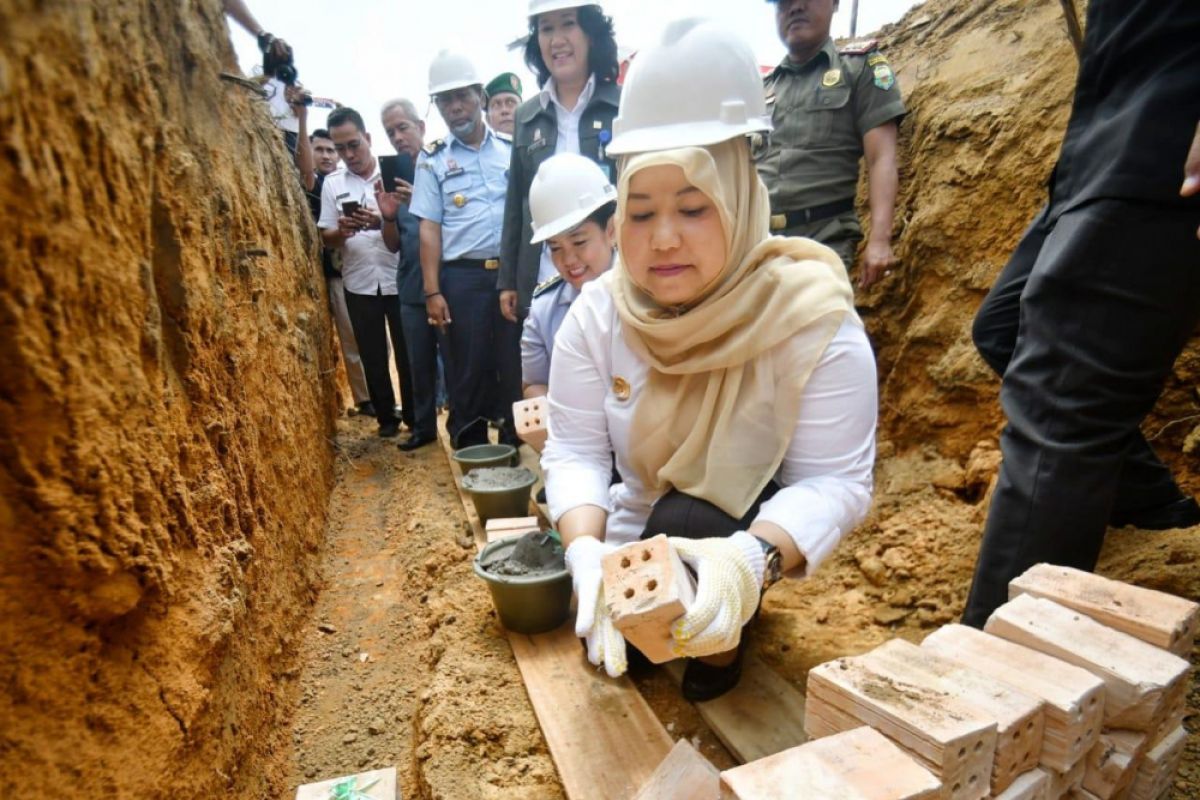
x: 192, y: 606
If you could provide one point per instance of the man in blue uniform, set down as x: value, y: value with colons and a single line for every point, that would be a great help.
x: 459, y: 197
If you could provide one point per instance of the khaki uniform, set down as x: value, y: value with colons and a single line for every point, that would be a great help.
x: 821, y: 110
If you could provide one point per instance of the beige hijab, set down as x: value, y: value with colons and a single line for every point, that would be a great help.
x: 717, y: 412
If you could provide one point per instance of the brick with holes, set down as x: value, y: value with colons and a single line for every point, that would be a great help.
x: 529, y: 417
x: 646, y: 588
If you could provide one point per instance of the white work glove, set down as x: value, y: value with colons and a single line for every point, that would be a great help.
x: 593, y: 623
x: 729, y: 576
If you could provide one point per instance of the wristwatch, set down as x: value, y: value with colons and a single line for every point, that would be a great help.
x: 774, y: 568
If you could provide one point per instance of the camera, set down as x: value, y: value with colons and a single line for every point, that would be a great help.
x: 280, y: 67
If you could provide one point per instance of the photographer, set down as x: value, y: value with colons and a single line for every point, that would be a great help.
x: 280, y: 71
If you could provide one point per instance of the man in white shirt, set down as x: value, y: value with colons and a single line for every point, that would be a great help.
x: 350, y: 222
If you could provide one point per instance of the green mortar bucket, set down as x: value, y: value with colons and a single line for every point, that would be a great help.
x: 525, y: 603
x: 507, y: 498
x: 486, y: 455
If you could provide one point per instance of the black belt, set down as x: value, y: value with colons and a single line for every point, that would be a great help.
x: 782, y: 220
x: 485, y: 263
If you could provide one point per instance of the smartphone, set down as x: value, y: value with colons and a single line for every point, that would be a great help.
x: 349, y: 207
x: 398, y: 166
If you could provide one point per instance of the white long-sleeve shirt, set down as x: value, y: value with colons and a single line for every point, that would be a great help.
x: 826, y: 472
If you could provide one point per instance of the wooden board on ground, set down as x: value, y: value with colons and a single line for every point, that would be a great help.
x: 379, y: 784
x: 1074, y: 697
x: 1161, y: 619
x: 605, y: 740
x: 1141, y: 680
x: 683, y: 775
x: 955, y: 741
x: 603, y: 737
x: 507, y: 527
x: 761, y: 716
x: 859, y: 764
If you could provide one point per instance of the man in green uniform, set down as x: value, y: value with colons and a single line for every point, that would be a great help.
x: 830, y: 107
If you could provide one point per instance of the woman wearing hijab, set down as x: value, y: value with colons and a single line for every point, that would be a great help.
x: 725, y: 369
x: 573, y: 52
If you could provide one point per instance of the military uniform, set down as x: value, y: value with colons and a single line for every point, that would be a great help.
x: 551, y: 302
x: 820, y: 111
x: 463, y: 189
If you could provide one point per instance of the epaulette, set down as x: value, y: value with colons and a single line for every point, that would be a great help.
x: 547, y: 285
x: 859, y: 47
x: 434, y: 146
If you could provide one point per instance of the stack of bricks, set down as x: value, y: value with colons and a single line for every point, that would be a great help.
x: 1075, y: 689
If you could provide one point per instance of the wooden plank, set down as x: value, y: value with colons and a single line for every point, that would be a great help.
x: 761, y: 716
x: 379, y: 784
x: 683, y: 775
x: 1157, y: 618
x: 955, y: 741
x: 1158, y: 767
x: 603, y: 737
x: 1032, y: 785
x: 859, y: 764
x: 1113, y: 761
x: 647, y: 588
x: 1140, y: 679
x: 605, y: 740
x: 1018, y: 716
x: 497, y: 529
x: 1073, y: 696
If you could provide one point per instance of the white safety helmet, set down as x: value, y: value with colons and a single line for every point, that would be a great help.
x: 700, y: 85
x: 565, y: 191
x: 451, y: 70
x: 542, y: 6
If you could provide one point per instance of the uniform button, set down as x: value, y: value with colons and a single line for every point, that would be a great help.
x: 824, y: 101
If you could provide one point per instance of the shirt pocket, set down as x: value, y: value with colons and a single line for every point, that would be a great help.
x: 821, y: 113
x: 460, y: 186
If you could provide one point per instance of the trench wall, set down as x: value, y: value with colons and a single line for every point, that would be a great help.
x: 165, y: 407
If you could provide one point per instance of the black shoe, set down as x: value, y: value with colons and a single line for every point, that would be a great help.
x: 1183, y: 513
x: 389, y: 430
x: 366, y: 409
x: 705, y: 682
x: 415, y: 441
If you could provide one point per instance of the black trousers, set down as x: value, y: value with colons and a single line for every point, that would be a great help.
x: 373, y: 317
x: 421, y: 339
x: 679, y: 514
x: 1085, y: 324
x: 469, y: 350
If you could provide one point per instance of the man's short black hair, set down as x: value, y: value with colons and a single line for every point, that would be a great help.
x: 340, y: 116
x: 319, y: 133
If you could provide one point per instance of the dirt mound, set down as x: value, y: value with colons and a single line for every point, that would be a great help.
x: 164, y: 463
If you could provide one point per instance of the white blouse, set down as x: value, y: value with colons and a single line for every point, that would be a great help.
x: 826, y: 471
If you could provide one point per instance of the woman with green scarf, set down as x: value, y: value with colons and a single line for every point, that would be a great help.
x: 724, y: 368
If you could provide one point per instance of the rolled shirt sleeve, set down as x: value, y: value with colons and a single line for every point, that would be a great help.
x: 577, y: 460
x: 329, y: 210
x: 426, y: 200
x: 826, y: 472
x: 535, y: 352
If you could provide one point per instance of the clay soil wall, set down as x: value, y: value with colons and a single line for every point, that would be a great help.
x: 164, y: 407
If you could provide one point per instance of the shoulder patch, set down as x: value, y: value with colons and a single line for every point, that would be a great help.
x: 859, y: 47
x: 432, y: 147
x: 546, y: 286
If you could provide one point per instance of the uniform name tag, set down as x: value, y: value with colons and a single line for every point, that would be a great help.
x: 454, y: 173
